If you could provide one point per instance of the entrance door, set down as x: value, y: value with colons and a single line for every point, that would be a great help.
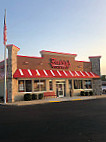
x: 60, y: 89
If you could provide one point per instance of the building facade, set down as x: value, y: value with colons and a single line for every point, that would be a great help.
x: 52, y: 72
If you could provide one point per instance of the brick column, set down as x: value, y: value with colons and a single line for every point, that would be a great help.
x: 12, y: 85
x: 54, y: 86
x: 47, y: 85
x: 32, y: 85
x: 67, y: 88
x: 96, y: 83
x: 72, y: 88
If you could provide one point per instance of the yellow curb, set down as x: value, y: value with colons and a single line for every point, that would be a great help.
x: 76, y: 99
x: 54, y: 101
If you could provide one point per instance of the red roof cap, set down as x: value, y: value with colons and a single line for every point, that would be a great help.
x: 94, y: 56
x: 12, y: 45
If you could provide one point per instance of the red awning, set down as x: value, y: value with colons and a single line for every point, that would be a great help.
x: 28, y: 73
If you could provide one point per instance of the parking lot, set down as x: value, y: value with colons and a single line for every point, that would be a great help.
x: 76, y: 121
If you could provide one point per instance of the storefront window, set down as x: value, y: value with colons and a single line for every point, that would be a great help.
x: 50, y: 85
x: 36, y: 85
x: 21, y: 85
x: 28, y: 84
x: 87, y: 84
x: 25, y: 85
x: 39, y: 85
x: 70, y: 84
x: 78, y: 84
x: 43, y: 85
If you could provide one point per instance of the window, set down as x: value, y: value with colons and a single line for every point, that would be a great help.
x: 70, y: 84
x: 36, y: 85
x: 50, y: 85
x: 43, y: 85
x: 25, y: 85
x: 28, y: 85
x: 78, y: 84
x: 87, y: 84
x: 39, y: 85
x: 21, y: 85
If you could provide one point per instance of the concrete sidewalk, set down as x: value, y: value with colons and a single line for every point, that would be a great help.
x: 51, y: 100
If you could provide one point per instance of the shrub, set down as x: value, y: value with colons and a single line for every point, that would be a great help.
x: 86, y: 93
x: 91, y: 93
x: 82, y: 93
x: 40, y: 96
x: 1, y: 99
x: 27, y: 97
x: 34, y: 96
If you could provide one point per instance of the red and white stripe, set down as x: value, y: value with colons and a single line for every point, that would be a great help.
x: 28, y: 73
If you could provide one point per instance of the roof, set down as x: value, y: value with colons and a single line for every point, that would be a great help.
x: 28, y: 73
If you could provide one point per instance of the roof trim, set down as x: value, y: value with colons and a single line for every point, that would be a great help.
x: 30, y: 57
x: 83, y: 61
x: 57, y: 52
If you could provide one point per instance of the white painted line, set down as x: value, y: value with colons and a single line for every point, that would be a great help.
x: 92, y: 73
x: 87, y: 73
x: 59, y: 73
x: 77, y: 73
x: 82, y: 73
x: 38, y: 72
x: 29, y: 72
x: 21, y: 72
x: 65, y: 73
x: 71, y: 73
x: 52, y: 72
x: 45, y: 72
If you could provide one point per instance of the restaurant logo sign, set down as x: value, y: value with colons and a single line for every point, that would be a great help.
x: 60, y: 64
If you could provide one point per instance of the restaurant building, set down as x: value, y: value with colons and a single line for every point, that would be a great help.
x: 53, y: 72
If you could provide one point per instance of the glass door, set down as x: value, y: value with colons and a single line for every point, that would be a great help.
x: 60, y: 89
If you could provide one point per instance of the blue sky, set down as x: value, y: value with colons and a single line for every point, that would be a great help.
x: 71, y: 26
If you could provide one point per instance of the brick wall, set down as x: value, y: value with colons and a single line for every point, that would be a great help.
x: 44, y: 62
x: 12, y: 66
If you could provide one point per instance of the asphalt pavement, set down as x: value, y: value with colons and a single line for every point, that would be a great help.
x: 67, y: 121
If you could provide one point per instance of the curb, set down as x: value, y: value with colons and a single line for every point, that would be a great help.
x: 56, y: 100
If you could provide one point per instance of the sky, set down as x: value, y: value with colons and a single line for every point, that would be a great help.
x: 70, y: 26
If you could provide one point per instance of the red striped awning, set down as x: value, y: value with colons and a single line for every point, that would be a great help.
x: 28, y: 73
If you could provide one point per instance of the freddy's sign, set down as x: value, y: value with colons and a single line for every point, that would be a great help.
x: 60, y: 64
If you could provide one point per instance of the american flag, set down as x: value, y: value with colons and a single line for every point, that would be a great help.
x: 5, y: 29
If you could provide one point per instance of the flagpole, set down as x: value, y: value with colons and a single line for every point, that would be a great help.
x: 5, y: 61
x: 5, y: 73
